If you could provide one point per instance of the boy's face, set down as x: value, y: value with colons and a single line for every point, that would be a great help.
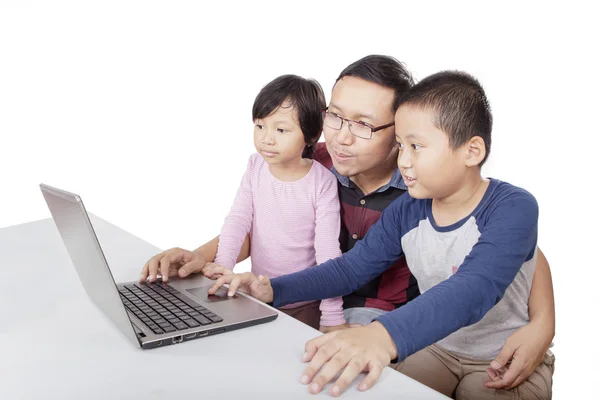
x: 359, y: 100
x: 429, y: 166
x: 278, y: 137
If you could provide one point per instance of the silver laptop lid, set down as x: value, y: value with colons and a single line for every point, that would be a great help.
x: 82, y: 244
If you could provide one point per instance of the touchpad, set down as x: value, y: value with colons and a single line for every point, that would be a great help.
x: 202, y: 294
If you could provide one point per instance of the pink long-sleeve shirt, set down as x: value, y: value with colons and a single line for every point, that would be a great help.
x: 292, y: 225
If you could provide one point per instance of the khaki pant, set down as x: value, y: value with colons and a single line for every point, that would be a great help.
x: 463, y: 379
x: 309, y: 313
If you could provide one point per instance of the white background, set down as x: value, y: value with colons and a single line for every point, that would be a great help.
x: 144, y: 109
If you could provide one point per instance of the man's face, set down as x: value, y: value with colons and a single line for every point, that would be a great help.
x: 428, y: 164
x: 359, y: 100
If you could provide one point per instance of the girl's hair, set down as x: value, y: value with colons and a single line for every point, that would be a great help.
x: 305, y: 95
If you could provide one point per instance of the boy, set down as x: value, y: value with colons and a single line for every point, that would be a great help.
x: 469, y: 241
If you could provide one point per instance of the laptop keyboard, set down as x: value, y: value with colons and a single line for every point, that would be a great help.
x: 164, y: 309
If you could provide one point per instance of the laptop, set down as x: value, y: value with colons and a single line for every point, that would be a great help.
x: 150, y: 315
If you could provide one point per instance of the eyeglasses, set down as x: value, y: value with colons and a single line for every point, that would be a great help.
x: 357, y: 128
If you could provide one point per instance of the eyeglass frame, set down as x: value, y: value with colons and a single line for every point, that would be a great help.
x: 374, y: 129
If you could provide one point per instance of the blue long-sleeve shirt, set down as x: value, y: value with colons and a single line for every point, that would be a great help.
x: 463, y: 270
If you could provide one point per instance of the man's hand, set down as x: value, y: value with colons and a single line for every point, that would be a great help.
x: 172, y: 262
x: 349, y: 351
x: 258, y: 287
x: 327, y: 329
x: 520, y: 356
x: 215, y: 271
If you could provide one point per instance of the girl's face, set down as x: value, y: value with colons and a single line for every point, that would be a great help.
x: 278, y: 137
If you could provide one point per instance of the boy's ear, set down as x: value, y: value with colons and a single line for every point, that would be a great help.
x: 475, y: 148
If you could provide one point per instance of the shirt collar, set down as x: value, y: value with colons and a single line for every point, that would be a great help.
x: 396, y: 182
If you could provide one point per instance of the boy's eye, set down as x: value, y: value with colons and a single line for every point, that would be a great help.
x: 280, y: 130
x: 259, y: 126
x: 416, y: 146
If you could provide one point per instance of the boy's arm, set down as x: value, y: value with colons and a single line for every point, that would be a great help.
x: 380, y: 248
x: 237, y: 224
x: 507, y: 240
x: 327, y: 245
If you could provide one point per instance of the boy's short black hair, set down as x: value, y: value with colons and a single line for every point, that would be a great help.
x: 460, y: 105
x: 382, y: 70
x: 305, y: 95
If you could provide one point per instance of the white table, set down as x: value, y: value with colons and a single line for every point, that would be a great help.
x: 54, y: 343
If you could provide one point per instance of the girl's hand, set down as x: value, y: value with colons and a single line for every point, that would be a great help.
x: 214, y: 271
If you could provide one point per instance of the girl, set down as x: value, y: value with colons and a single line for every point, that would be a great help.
x: 287, y: 203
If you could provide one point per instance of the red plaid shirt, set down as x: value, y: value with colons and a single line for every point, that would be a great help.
x: 396, y: 286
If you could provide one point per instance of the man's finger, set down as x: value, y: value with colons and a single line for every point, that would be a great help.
x: 516, y: 368
x: 190, y: 268
x: 519, y: 380
x: 165, y: 264
x: 153, y: 266
x: 144, y: 274
x: 374, y: 374
x: 504, y: 356
x: 353, y: 369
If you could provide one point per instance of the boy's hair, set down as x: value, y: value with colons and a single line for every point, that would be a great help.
x: 460, y: 105
x: 305, y: 95
x: 382, y: 70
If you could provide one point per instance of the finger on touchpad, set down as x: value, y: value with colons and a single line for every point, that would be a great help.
x: 202, y: 294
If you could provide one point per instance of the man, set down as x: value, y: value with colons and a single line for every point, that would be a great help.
x: 360, y: 149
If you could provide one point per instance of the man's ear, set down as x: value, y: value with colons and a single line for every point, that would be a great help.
x: 474, y: 151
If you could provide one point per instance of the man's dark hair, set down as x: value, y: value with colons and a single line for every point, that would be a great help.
x: 382, y: 70
x: 305, y: 95
x: 460, y: 105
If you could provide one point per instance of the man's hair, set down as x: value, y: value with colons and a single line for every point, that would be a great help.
x: 460, y: 106
x: 382, y: 70
x: 304, y: 95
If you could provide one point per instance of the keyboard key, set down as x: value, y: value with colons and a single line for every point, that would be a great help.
x: 203, y: 320
x: 191, y: 323
x: 169, y: 329
x: 187, y: 301
x: 158, y: 331
x: 180, y: 325
x: 215, y: 318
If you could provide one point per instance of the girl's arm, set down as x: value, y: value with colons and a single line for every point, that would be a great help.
x: 238, y: 223
x: 327, y: 245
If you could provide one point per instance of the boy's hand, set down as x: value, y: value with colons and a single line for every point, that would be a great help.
x: 349, y: 351
x: 172, y: 262
x: 327, y: 329
x: 520, y: 356
x: 214, y: 271
x: 258, y: 287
